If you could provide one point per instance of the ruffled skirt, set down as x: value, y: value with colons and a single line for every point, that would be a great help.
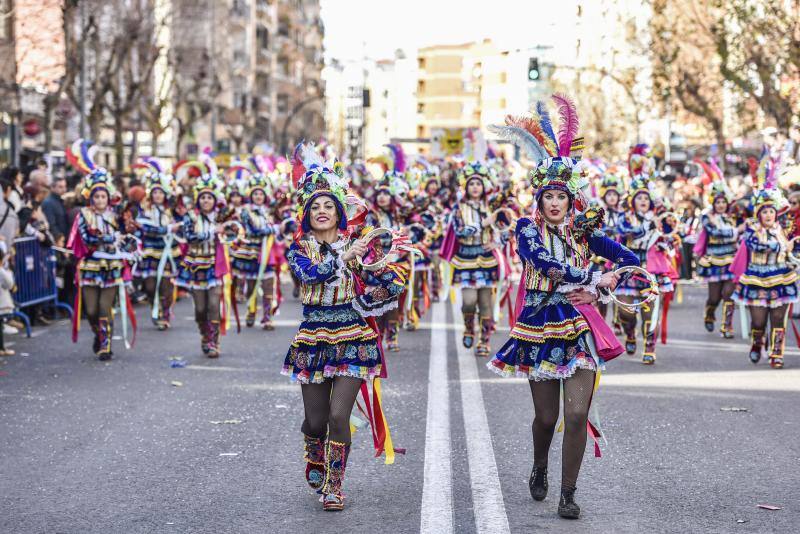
x: 715, y: 268
x: 767, y: 286
x: 197, y: 272
x: 100, y: 273
x: 332, y: 341
x: 474, y: 269
x: 548, y: 345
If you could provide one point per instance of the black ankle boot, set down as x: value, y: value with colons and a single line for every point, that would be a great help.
x: 567, y: 507
x: 538, y: 483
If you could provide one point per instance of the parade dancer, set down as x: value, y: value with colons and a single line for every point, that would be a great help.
x: 641, y: 233
x: 158, y: 229
x: 715, y: 248
x: 250, y: 258
x: 610, y: 191
x: 552, y: 343
x: 387, y: 212
x: 202, y: 267
x: 769, y: 284
x: 475, y: 267
x: 95, y: 240
x: 336, y: 348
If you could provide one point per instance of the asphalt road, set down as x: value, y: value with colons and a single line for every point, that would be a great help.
x: 695, y: 442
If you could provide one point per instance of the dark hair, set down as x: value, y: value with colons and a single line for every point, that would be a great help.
x: 9, y: 173
x: 6, y: 184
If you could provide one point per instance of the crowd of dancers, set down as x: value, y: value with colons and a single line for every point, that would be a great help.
x: 567, y: 252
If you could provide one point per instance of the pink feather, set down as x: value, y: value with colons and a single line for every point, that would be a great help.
x: 568, y: 128
x: 298, y: 168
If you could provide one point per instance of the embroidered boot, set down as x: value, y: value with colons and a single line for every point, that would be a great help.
x: 537, y: 484
x: 727, y: 319
x: 96, y: 341
x: 335, y: 463
x: 266, y: 320
x: 567, y: 507
x: 649, y: 355
x: 315, y: 461
x: 250, y: 319
x: 630, y: 339
x: 757, y: 343
x: 104, y: 339
x: 392, y: 336
x: 213, y: 339
x: 487, y: 327
x: 778, y: 339
x: 709, y: 318
x: 202, y: 326
x: 469, y: 330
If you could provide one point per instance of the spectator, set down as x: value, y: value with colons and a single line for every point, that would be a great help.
x: 55, y: 212
x: 6, y: 302
x: 9, y: 221
x: 40, y: 178
x: 14, y: 176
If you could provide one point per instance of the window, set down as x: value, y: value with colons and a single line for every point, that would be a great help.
x: 420, y: 108
x: 421, y: 86
x: 283, y: 65
x: 421, y: 63
x: 262, y: 37
x: 283, y: 103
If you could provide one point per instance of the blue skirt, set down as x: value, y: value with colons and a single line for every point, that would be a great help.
x: 548, y: 343
x: 332, y: 341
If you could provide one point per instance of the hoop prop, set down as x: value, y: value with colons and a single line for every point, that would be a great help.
x: 231, y: 232
x: 648, y: 295
x: 510, y: 216
x: 664, y: 217
x: 377, y: 259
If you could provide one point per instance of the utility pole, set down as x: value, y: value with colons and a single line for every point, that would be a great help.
x: 82, y: 45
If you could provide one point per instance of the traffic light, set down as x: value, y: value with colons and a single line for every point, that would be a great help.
x: 533, y: 69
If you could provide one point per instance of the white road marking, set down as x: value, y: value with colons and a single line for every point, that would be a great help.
x: 487, y: 495
x: 436, y: 515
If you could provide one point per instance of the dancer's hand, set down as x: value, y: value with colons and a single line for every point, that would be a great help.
x: 579, y: 296
x: 608, y: 280
x: 356, y: 250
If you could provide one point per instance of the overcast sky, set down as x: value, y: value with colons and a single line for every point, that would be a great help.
x: 376, y: 28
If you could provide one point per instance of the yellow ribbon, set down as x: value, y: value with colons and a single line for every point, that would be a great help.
x: 226, y: 289
x: 266, y: 248
x: 388, y: 445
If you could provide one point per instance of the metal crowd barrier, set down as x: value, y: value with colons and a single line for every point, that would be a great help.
x: 35, y: 277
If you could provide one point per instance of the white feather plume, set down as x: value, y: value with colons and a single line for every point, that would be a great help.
x: 523, y: 139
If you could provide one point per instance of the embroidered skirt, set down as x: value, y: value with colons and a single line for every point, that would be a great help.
x: 197, y: 272
x: 100, y: 273
x: 547, y: 343
x: 767, y: 285
x: 474, y: 267
x: 713, y: 268
x: 332, y: 341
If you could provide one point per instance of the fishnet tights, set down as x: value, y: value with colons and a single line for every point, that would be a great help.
x: 546, y: 398
x: 477, y: 298
x: 328, y: 406
x: 206, y: 304
x: 97, y: 302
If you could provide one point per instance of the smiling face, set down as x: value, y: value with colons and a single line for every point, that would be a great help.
x: 475, y: 188
x: 258, y: 197
x: 100, y: 199
x: 641, y: 202
x: 157, y: 196
x: 554, y: 206
x: 236, y: 199
x: 766, y: 216
x: 323, y: 215
x: 720, y: 205
x: 206, y: 202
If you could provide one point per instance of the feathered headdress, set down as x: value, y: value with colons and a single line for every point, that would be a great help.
x: 313, y: 177
x: 767, y: 191
x: 611, y: 181
x: 479, y: 171
x: 639, y: 162
x: 718, y: 186
x: 81, y: 156
x: 155, y: 177
x: 207, y: 182
x: 557, y: 154
x: 250, y: 178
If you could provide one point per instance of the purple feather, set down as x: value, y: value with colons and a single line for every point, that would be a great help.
x: 399, y: 157
x: 568, y: 128
x: 713, y: 164
x: 544, y: 121
x: 87, y: 159
x: 155, y: 164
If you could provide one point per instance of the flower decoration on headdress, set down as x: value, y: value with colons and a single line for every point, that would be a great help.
x: 557, y: 155
x: 207, y: 182
x: 155, y: 177
x: 611, y: 180
x: 249, y: 178
x: 81, y: 156
x: 641, y: 167
x: 313, y: 177
x: 767, y: 191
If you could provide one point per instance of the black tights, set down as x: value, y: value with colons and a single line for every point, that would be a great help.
x: 164, y: 289
x: 266, y: 287
x: 546, y: 398
x: 473, y: 299
x: 628, y: 318
x: 206, y: 304
x: 328, y: 406
x: 760, y: 314
x: 718, y: 291
x: 97, y: 302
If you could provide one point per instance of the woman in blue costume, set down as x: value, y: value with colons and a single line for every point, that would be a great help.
x: 713, y: 266
x: 475, y: 268
x: 197, y: 270
x: 335, y: 349
x: 246, y: 264
x: 551, y: 343
x: 157, y: 227
x: 769, y: 284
